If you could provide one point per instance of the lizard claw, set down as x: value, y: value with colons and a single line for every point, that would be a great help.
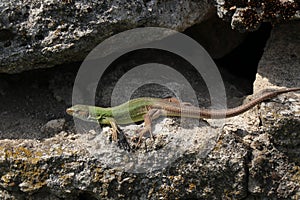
x: 122, y: 141
x: 140, y: 134
x: 123, y: 144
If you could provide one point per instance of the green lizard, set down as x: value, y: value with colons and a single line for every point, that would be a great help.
x: 146, y: 109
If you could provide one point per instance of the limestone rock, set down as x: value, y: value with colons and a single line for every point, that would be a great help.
x: 39, y: 34
x: 248, y: 15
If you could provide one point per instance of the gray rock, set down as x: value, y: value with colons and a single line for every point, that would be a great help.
x: 253, y: 155
x: 270, y: 172
x: 62, y: 167
x: 248, y: 15
x: 37, y: 34
x: 53, y: 126
x: 279, y: 66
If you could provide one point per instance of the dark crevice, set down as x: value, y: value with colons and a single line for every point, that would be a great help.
x: 243, y: 61
x: 86, y: 196
x: 6, y: 34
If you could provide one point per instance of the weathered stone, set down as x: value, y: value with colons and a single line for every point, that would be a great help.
x: 38, y: 34
x: 54, y: 126
x: 254, y: 155
x: 270, y: 173
x: 279, y: 66
x: 248, y: 15
x: 62, y: 167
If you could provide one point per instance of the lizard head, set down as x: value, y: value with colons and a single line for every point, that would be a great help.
x: 82, y: 112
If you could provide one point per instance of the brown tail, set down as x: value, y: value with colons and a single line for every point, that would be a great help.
x: 243, y: 108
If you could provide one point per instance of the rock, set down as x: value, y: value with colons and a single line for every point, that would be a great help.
x: 53, y: 127
x: 248, y: 15
x: 253, y: 155
x: 62, y: 167
x: 197, y: 164
x: 279, y: 66
x: 270, y: 173
x: 35, y: 34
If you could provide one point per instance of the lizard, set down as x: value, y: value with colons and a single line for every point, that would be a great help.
x: 146, y: 109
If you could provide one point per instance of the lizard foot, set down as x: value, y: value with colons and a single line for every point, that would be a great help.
x: 122, y: 141
x: 140, y: 133
x: 118, y: 135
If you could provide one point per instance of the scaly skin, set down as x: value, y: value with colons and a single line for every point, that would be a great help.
x: 146, y: 109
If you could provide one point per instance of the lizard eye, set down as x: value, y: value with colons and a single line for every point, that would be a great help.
x: 98, y: 117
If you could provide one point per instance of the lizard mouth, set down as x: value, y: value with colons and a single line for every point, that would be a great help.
x: 70, y: 111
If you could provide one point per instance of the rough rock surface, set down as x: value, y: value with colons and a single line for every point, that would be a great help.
x: 244, y: 160
x: 254, y: 155
x: 280, y: 118
x: 248, y: 15
x: 61, y: 167
x: 36, y: 34
x: 279, y: 66
x: 89, y: 166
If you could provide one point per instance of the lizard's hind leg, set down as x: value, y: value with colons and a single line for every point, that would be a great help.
x: 148, y: 117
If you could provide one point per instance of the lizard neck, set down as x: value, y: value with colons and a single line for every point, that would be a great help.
x: 99, y: 114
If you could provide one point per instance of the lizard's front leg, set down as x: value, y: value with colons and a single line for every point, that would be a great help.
x: 118, y: 135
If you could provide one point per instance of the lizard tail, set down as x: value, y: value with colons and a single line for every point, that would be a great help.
x: 243, y: 108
